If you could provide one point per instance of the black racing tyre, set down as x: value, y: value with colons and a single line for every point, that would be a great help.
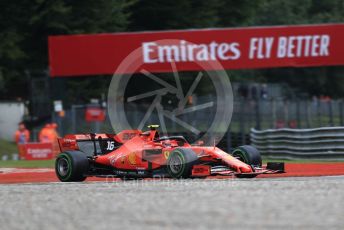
x: 249, y: 155
x: 71, y: 166
x: 180, y: 163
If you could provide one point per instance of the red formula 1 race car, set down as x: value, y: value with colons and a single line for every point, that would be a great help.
x: 137, y: 154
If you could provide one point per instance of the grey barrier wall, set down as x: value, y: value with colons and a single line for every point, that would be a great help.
x: 325, y: 143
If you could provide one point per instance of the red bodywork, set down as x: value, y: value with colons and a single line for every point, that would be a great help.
x: 137, y: 150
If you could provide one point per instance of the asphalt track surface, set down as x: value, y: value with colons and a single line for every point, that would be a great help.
x: 260, y: 203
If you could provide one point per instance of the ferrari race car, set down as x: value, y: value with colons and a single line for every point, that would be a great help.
x: 135, y: 154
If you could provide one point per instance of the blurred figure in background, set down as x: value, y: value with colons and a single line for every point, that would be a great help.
x: 48, y: 133
x: 22, y: 135
x: 44, y: 134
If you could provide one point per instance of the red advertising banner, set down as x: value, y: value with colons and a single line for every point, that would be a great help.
x: 94, y: 114
x: 233, y: 48
x: 36, y: 151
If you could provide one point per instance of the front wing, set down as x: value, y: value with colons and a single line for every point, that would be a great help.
x: 205, y: 170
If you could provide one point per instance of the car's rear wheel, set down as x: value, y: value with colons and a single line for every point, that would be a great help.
x: 180, y: 163
x: 249, y: 155
x: 71, y: 166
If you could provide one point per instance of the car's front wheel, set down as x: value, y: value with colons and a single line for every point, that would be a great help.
x: 180, y: 163
x: 249, y: 155
x: 71, y: 166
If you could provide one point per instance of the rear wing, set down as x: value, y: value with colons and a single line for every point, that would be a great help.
x: 95, y: 144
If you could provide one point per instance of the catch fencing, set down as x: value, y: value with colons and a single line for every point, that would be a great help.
x: 326, y: 143
x: 282, y: 113
x: 247, y: 113
x: 261, y: 114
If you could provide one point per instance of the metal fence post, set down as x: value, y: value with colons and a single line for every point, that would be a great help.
x: 319, y: 112
x: 330, y: 112
x: 242, y: 125
x: 308, y: 123
x: 298, y: 119
x: 286, y: 113
x: 73, y: 118
x: 258, y: 126
x: 341, y: 112
x: 273, y: 111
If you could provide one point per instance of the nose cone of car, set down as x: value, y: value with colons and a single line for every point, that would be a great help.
x: 245, y: 169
